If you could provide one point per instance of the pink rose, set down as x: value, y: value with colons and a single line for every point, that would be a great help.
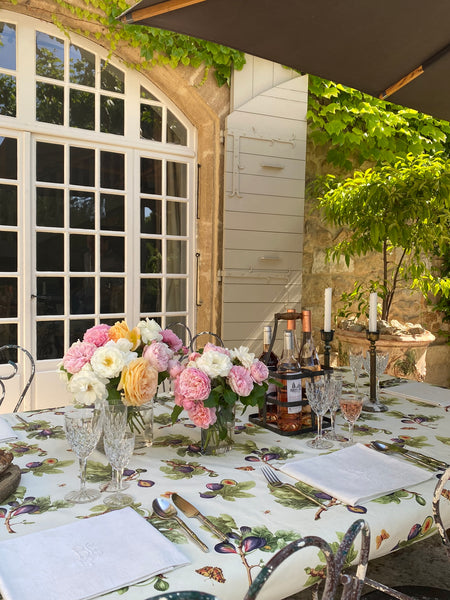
x: 201, y: 416
x: 209, y: 347
x: 178, y: 396
x: 259, y: 371
x: 79, y: 354
x: 174, y: 367
x: 97, y: 335
x: 158, y: 355
x: 172, y: 340
x: 240, y: 380
x: 193, y: 356
x: 194, y: 384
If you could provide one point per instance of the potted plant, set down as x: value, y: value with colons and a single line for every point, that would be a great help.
x: 402, y: 212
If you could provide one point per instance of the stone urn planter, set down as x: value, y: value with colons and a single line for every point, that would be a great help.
x: 407, y: 352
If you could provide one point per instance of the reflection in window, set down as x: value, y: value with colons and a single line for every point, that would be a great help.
x: 7, y: 46
x: 177, y: 179
x: 82, y: 166
x: 82, y: 110
x: 151, y: 173
x: 112, y: 112
x: 176, y: 295
x: 151, y: 122
x: 151, y: 258
x: 150, y: 295
x: 50, y: 295
x: 112, y: 78
x: 8, y: 158
x: 49, y: 207
x: 112, y: 254
x: 49, y: 251
x: 49, y: 103
x: 7, y: 95
x: 8, y: 298
x: 82, y: 210
x: 50, y: 339
x: 147, y: 95
x: 176, y: 218
x: 8, y: 251
x: 176, y: 131
x: 82, y: 295
x: 112, y: 295
x: 49, y: 162
x: 112, y: 212
x: 8, y: 205
x: 112, y: 170
x: 49, y: 56
x: 151, y: 216
x: 82, y: 66
x: 176, y: 256
x: 82, y: 252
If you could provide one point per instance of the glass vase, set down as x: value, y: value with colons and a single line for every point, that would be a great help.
x: 140, y: 422
x: 218, y: 438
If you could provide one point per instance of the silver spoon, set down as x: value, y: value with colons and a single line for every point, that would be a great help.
x: 380, y: 447
x: 164, y: 509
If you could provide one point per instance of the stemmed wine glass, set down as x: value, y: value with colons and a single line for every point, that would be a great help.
x: 351, y: 406
x: 356, y: 363
x: 381, y: 361
x: 118, y: 450
x: 114, y: 425
x: 83, y: 429
x: 319, y: 397
x: 335, y: 393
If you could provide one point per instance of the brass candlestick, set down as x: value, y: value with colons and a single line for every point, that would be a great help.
x: 327, y: 338
x: 372, y: 404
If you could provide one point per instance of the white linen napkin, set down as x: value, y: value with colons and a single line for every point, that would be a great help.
x: 431, y: 394
x: 7, y: 433
x: 356, y: 474
x: 86, y: 558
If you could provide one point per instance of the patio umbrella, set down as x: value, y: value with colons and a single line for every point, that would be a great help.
x: 398, y: 50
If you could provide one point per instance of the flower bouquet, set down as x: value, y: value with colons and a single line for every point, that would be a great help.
x: 115, y: 364
x: 208, y: 384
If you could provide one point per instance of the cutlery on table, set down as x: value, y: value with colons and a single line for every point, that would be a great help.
x: 21, y: 419
x: 164, y: 509
x: 419, y: 459
x: 275, y: 481
x: 190, y: 511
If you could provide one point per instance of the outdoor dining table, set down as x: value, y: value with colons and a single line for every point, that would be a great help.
x: 231, y: 491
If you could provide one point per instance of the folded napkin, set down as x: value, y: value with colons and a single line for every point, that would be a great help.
x: 356, y: 474
x: 86, y: 558
x: 431, y: 394
x: 6, y: 432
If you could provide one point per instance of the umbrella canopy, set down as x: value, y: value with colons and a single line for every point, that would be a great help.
x: 396, y: 50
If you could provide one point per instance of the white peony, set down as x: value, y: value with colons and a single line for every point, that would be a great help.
x: 244, y: 356
x: 214, y: 364
x: 125, y: 346
x: 87, y: 388
x: 150, y: 331
x: 108, y: 361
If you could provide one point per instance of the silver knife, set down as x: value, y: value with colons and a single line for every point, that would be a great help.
x: 190, y: 511
x: 440, y: 464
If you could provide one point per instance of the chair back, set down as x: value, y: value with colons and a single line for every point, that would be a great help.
x: 6, y: 351
x: 438, y: 493
x: 351, y: 586
x: 210, y: 333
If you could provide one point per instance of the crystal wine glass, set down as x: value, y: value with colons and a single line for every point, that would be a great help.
x: 382, y: 359
x: 335, y: 392
x: 83, y: 429
x: 351, y: 406
x: 356, y: 363
x: 318, y: 392
x: 114, y: 424
x: 118, y: 451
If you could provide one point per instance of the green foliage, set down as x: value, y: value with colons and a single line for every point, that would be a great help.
x: 402, y: 212
x: 156, y: 46
x: 357, y: 127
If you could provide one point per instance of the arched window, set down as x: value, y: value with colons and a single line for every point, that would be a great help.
x: 96, y: 184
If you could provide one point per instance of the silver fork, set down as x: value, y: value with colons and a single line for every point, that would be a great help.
x: 275, y: 481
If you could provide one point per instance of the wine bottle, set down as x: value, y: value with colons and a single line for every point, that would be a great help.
x: 271, y: 361
x: 309, y: 360
x: 289, y: 415
x: 292, y: 326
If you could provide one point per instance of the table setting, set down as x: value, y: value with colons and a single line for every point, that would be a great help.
x: 224, y: 514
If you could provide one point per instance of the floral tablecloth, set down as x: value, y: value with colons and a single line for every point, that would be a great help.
x: 231, y: 491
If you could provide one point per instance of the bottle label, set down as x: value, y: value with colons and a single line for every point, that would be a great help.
x: 294, y: 394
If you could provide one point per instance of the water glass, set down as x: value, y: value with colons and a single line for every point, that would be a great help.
x: 119, y: 451
x: 351, y: 406
x: 335, y: 393
x: 83, y: 429
x: 356, y: 358
x: 381, y: 361
x: 114, y: 418
x: 318, y: 392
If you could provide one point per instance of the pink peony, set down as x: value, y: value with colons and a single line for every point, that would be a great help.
x: 193, y: 356
x: 174, y: 368
x: 194, y: 384
x: 97, y: 335
x: 178, y: 396
x: 172, y: 340
x: 209, y: 347
x: 201, y: 416
x: 240, y: 380
x: 79, y: 354
x: 158, y: 355
x: 259, y: 371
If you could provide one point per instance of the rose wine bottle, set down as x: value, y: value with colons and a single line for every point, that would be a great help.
x: 292, y: 326
x: 271, y: 362
x: 309, y: 359
x: 289, y: 395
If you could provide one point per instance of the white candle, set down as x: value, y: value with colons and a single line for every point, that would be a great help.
x: 373, y: 312
x: 327, y: 313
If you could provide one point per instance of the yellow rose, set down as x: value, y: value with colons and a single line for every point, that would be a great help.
x: 121, y: 330
x: 138, y: 382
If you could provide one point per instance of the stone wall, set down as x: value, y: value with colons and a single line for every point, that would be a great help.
x: 319, y: 274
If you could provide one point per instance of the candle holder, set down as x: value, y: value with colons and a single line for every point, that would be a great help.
x: 373, y: 404
x: 327, y: 338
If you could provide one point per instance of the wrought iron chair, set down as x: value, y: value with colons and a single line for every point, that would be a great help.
x: 187, y: 595
x: 5, y: 354
x: 195, y: 338
x: 351, y: 585
x: 417, y: 592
